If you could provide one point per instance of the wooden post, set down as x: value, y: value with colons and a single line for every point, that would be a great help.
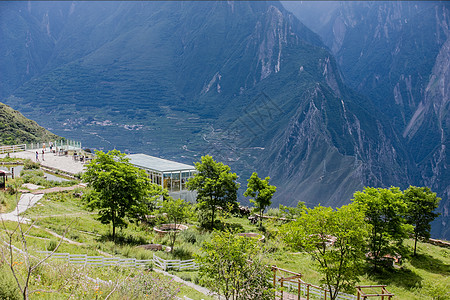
x: 274, y: 269
x: 282, y: 297
x: 307, y: 291
x: 299, y: 289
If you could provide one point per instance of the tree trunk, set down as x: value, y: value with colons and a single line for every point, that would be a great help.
x: 415, y: 242
x: 114, y: 227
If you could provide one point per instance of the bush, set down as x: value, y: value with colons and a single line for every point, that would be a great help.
x: 8, y: 287
x: 31, y: 165
x: 189, y: 236
x: 52, y: 244
x: 33, y: 176
x: 274, y: 212
x: 3, y: 199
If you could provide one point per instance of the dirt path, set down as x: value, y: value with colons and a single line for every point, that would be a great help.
x: 58, y: 189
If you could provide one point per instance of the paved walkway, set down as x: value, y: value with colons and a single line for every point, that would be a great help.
x: 64, y: 163
x: 26, y: 201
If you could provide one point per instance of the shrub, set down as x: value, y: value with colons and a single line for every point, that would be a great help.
x: 31, y: 165
x: 52, y: 244
x: 274, y: 212
x: 189, y: 236
x: 8, y: 288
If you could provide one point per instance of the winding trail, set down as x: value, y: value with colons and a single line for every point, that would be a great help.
x: 28, y: 200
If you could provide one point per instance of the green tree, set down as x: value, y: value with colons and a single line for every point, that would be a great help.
x: 334, y: 239
x: 177, y: 211
x: 233, y: 266
x: 293, y: 212
x: 262, y: 193
x: 215, y: 184
x: 119, y: 189
x: 421, y: 203
x: 384, y: 210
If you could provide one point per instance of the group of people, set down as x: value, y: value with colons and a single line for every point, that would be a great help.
x: 43, y: 151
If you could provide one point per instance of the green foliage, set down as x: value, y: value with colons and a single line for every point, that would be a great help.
x: 147, y: 285
x: 8, y: 287
x: 16, y: 129
x: 261, y: 191
x: 421, y: 204
x: 384, y: 210
x: 335, y: 240
x: 176, y: 211
x: 215, y: 185
x: 52, y: 244
x: 293, y: 212
x: 31, y: 165
x: 119, y: 189
x: 233, y: 266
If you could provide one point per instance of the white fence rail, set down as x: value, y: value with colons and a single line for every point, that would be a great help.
x: 83, y: 259
x: 12, y: 148
x: 174, y: 264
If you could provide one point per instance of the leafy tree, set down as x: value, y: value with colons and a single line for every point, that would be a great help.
x: 233, y: 266
x: 384, y: 210
x: 334, y: 239
x: 119, y: 189
x: 293, y: 212
x: 261, y: 191
x: 421, y: 203
x: 177, y: 211
x: 215, y: 184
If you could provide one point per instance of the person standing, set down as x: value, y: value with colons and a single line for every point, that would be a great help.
x: 43, y: 147
x: 37, y: 156
x: 43, y: 155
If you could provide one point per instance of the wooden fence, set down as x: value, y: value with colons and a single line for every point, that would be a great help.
x: 174, y: 264
x: 83, y: 259
x: 12, y: 148
x: 309, y: 291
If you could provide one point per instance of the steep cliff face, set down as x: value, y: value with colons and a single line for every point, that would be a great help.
x: 396, y: 53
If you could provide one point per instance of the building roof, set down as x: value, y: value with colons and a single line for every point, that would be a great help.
x: 3, y: 173
x: 157, y: 164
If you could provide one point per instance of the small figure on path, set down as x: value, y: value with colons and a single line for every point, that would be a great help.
x: 43, y: 147
x: 37, y: 156
x: 51, y: 146
x: 43, y: 155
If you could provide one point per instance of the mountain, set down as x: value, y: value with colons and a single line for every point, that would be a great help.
x: 16, y: 129
x: 397, y: 54
x: 244, y: 81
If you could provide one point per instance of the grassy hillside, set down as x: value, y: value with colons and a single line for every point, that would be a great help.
x: 16, y: 129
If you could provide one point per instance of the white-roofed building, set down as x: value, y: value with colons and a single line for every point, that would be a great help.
x: 170, y: 175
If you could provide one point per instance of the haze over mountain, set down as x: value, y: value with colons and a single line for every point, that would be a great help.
x: 244, y: 81
x: 397, y: 54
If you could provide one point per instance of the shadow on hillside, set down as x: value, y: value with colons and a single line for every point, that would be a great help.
x: 400, y: 277
x: 430, y: 264
x: 123, y: 239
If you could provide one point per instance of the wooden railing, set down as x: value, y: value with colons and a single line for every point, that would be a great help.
x: 174, y: 264
x: 83, y: 259
x: 12, y: 148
